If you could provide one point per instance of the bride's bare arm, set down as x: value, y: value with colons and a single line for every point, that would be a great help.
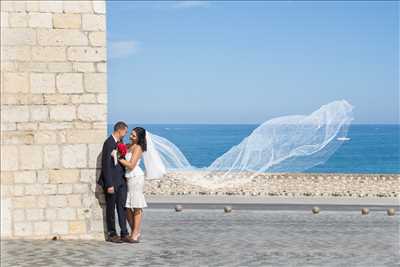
x: 136, y: 154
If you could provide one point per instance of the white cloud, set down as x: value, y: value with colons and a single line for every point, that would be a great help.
x: 191, y: 4
x: 120, y: 49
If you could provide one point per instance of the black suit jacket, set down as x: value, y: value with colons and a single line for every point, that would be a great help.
x: 111, y: 174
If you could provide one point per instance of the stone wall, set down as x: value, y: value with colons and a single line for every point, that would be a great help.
x: 53, y: 117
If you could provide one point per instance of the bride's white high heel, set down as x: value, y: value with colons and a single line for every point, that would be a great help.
x: 137, y: 240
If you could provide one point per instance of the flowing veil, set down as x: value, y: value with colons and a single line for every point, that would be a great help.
x: 284, y: 144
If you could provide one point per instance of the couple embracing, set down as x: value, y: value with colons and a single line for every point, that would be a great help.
x: 123, y: 180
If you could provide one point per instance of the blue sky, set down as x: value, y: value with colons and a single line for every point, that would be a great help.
x: 247, y: 62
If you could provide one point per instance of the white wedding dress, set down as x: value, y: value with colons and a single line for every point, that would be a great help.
x: 135, y: 197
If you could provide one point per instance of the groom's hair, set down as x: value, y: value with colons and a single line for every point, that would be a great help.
x: 120, y: 125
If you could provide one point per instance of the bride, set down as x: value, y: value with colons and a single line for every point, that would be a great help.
x: 141, y: 146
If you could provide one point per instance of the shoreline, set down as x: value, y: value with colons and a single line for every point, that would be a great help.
x: 279, y: 188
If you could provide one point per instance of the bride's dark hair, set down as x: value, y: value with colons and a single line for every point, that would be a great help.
x: 141, y: 135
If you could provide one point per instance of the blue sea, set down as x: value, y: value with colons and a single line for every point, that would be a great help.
x: 371, y: 148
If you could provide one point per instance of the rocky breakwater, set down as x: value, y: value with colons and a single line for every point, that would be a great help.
x: 285, y: 185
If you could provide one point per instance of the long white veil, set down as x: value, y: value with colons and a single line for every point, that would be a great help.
x: 284, y: 144
x: 154, y: 166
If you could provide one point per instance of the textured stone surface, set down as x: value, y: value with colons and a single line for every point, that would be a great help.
x: 212, y: 238
x: 52, y: 125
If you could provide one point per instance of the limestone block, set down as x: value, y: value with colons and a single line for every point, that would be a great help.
x: 81, y: 188
x: 33, y: 5
x: 4, y: 19
x: 102, y: 98
x: 51, y: 214
x: 74, y: 200
x: 86, y: 54
x: 67, y: 21
x: 51, y: 6
x: 74, y: 156
x: 15, y: 82
x: 56, y: 99
x: 99, y: 6
x: 25, y: 177
x: 19, y: 215
x: 70, y: 83
x: 31, y: 157
x: 57, y: 201
x: 93, y: 22
x: 83, y: 67
x: 51, y: 156
x: 15, y: 114
x: 41, y: 201
x: 43, y: 83
x: 20, y: 53
x: 59, y: 67
x: 84, y: 136
x: 55, y: 125
x: 24, y: 202
x: 95, y: 151
x: 40, y: 20
x: 78, y: 6
x: 33, y: 189
x: 64, y: 176
x: 8, y: 66
x: 62, y: 113
x: 45, y: 137
x: 61, y: 37
x: 49, y: 189
x: 39, y: 113
x: 19, y: 19
x: 32, y: 66
x: 19, y: 138
x: 97, y: 38
x: 59, y: 227
x: 18, y: 36
x: 19, y: 5
x: 27, y: 126
x: 41, y: 228
x: 101, y: 67
x: 84, y: 99
x: 34, y: 214
x: 9, y: 157
x: 8, y: 126
x: 87, y: 112
x: 42, y: 176
x: 64, y: 189
x: 88, y: 176
x: 77, y: 227
x: 95, y: 82
x: 48, y: 53
x: 67, y: 213
x: 23, y: 229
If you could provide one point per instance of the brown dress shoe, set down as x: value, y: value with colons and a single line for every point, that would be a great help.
x: 126, y: 239
x: 114, y: 239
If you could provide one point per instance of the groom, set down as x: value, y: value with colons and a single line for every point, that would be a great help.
x: 114, y: 184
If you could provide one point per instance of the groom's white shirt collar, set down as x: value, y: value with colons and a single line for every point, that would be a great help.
x: 116, y: 141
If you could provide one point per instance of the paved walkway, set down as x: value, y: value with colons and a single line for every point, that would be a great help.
x: 241, y: 238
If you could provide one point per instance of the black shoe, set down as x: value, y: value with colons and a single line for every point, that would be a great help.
x: 114, y: 239
x: 126, y: 239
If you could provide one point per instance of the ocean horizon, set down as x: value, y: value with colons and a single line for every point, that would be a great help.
x: 372, y: 148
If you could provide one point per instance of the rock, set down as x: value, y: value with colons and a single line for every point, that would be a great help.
x: 227, y: 209
x: 364, y: 211
x: 391, y: 211
x: 178, y: 208
x: 315, y: 210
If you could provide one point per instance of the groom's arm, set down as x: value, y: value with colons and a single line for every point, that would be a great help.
x: 106, y: 163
